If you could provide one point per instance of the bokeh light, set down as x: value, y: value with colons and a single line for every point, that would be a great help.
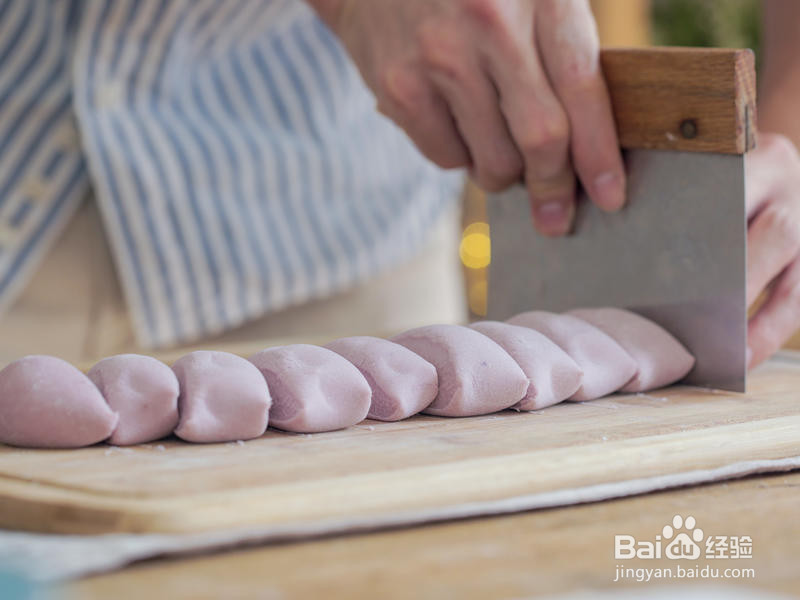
x: 475, y: 248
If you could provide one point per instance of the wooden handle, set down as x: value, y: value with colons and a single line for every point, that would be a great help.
x: 691, y: 99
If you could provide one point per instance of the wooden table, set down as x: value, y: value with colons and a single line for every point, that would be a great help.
x: 530, y: 554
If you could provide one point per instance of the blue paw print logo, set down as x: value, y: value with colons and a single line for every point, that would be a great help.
x: 685, y: 536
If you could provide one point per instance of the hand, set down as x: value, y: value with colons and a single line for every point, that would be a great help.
x: 511, y: 89
x: 773, y: 243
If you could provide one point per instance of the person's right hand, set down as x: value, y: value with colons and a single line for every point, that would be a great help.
x: 511, y: 89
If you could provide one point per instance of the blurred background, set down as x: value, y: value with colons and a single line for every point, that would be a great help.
x: 721, y: 23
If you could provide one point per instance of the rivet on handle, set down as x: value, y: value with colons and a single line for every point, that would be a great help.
x: 689, y: 129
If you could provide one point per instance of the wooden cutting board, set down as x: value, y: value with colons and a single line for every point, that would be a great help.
x: 381, y: 473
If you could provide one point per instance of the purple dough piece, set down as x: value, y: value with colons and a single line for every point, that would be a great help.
x: 45, y: 402
x: 143, y: 391
x: 476, y: 376
x: 223, y: 398
x: 552, y: 374
x: 314, y: 388
x: 661, y: 358
x: 605, y: 364
x: 402, y: 382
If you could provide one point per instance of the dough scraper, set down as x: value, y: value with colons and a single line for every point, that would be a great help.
x: 677, y: 252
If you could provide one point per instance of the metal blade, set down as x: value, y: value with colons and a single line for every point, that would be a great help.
x: 675, y: 254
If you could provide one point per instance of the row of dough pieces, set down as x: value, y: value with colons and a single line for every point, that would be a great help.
x: 534, y: 360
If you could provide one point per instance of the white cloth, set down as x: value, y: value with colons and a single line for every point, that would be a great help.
x: 53, y: 557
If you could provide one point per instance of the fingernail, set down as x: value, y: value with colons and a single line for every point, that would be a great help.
x: 748, y: 356
x: 609, y: 193
x: 551, y: 218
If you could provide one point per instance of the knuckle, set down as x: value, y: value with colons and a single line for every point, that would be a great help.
x: 577, y: 62
x: 497, y: 22
x: 579, y: 70
x: 487, y: 13
x: 441, y: 50
x: 398, y: 86
x: 781, y: 220
x: 547, y: 136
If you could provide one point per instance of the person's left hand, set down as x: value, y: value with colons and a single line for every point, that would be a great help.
x: 773, y: 244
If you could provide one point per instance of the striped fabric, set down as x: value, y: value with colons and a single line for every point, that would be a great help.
x: 237, y: 159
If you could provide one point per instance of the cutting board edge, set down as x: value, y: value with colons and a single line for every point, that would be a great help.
x: 77, y: 511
